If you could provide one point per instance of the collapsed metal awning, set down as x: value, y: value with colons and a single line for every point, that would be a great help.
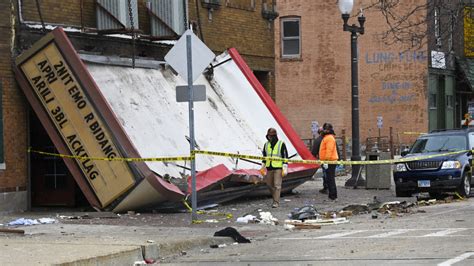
x: 107, y: 111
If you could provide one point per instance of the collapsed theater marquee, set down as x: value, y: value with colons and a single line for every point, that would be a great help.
x: 103, y: 111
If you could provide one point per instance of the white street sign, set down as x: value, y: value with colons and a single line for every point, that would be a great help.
x: 202, y: 56
x: 314, y: 127
x: 379, y: 121
x: 199, y: 93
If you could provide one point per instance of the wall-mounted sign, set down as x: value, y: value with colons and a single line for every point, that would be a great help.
x: 438, y: 60
x: 468, y: 31
x: 57, y: 88
x: 379, y: 121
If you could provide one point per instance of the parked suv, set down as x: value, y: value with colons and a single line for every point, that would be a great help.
x: 438, y: 174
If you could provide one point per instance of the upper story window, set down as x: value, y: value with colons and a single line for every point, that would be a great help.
x: 290, y: 37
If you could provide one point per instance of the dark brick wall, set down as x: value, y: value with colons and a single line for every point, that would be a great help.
x: 14, y: 108
x: 236, y: 24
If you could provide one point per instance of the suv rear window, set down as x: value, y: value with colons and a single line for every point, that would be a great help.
x: 439, y: 143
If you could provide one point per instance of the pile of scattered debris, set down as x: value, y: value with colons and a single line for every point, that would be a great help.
x: 258, y: 216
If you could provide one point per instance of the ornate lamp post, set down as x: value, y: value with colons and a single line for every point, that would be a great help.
x: 345, y: 6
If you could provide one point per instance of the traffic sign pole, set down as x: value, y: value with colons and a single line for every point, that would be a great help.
x: 191, y: 126
x: 180, y: 58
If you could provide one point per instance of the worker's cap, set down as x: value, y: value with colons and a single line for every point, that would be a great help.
x: 327, y: 126
x: 271, y: 132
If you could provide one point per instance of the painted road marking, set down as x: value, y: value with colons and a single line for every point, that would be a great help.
x: 387, y: 233
x: 445, y: 232
x: 337, y: 235
x: 390, y: 233
x: 456, y: 259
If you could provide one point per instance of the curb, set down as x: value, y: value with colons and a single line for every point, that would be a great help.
x: 137, y: 254
x: 125, y: 257
x: 173, y: 248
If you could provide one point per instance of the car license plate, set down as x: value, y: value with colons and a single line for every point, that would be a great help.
x: 424, y: 183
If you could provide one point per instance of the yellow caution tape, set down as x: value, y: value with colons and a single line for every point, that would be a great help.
x: 413, y: 133
x: 254, y: 157
x: 160, y: 159
x: 202, y: 212
x: 459, y: 196
x: 410, y: 159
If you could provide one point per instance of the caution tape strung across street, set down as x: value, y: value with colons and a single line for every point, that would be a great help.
x: 203, y: 212
x: 413, y: 133
x: 160, y: 159
x: 391, y: 161
x: 243, y: 156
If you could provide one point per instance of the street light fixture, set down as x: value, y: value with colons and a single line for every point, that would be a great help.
x: 345, y: 6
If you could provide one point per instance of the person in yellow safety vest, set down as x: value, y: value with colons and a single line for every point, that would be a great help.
x: 275, y: 170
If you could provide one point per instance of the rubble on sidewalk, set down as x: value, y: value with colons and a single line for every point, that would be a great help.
x: 91, y: 215
x: 12, y: 231
x: 23, y: 221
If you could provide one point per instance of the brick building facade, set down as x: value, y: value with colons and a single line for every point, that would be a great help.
x: 241, y: 24
x: 231, y: 23
x: 315, y: 85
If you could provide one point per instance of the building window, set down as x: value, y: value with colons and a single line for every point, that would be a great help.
x: 437, y: 26
x: 449, y: 101
x: 290, y: 37
x: 432, y: 101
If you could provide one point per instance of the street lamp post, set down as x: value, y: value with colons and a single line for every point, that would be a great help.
x: 345, y: 6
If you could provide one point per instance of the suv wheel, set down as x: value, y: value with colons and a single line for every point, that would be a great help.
x: 402, y: 193
x: 465, y: 186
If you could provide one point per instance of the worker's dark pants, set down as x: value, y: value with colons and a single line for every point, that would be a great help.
x: 331, y: 180
x: 325, y: 182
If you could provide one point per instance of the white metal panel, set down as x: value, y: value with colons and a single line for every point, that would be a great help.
x: 233, y: 119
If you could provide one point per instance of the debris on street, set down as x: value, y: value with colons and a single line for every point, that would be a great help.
x: 218, y: 246
x: 296, y: 224
x: 232, y: 232
x: 304, y: 213
x: 316, y: 223
x: 23, y: 221
x: 14, y: 231
x: 247, y: 219
x: 357, y: 208
x: 267, y: 218
x: 260, y: 217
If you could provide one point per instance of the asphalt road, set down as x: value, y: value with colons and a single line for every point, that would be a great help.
x: 441, y: 234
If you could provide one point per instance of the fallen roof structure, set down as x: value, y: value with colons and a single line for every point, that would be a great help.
x: 92, y: 108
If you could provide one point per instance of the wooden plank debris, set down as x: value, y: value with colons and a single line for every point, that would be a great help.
x: 14, y: 231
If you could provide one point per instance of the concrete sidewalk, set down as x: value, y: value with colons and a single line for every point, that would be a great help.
x: 79, y: 244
